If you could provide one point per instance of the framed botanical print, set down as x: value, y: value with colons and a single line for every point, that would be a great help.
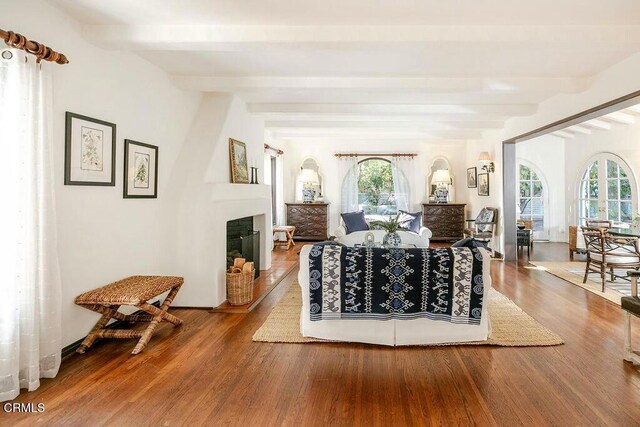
x: 483, y: 184
x: 90, y: 151
x: 239, y: 163
x: 140, y: 170
x: 472, y: 177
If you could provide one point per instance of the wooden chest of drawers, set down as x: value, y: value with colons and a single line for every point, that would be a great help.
x: 310, y: 219
x: 445, y: 220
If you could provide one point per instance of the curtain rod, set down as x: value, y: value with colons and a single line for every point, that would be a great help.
x: 41, y: 51
x: 277, y: 150
x: 376, y: 155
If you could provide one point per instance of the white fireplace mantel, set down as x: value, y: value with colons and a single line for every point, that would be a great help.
x: 231, y: 192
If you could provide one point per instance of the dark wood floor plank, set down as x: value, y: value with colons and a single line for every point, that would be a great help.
x: 209, y: 372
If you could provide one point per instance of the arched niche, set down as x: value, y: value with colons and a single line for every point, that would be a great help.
x: 440, y: 163
x: 309, y: 182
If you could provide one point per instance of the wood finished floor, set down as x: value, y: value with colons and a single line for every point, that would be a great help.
x: 209, y: 372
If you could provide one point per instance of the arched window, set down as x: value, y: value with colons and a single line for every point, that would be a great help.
x: 375, y: 187
x: 531, y: 201
x: 607, y: 190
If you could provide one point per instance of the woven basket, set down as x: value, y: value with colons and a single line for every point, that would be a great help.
x: 240, y: 287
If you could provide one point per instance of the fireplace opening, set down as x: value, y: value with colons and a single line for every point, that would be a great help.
x: 243, y: 242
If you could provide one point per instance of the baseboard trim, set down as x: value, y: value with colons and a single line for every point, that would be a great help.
x: 71, y: 348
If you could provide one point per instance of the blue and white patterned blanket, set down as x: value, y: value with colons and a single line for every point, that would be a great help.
x: 375, y: 283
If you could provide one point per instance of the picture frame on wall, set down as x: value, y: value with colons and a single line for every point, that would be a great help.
x: 140, y: 170
x: 239, y: 162
x: 483, y: 184
x: 472, y: 177
x: 90, y: 151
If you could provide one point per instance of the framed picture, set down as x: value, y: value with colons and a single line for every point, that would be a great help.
x: 140, y: 170
x: 472, y: 177
x: 483, y: 184
x: 239, y: 164
x: 90, y: 151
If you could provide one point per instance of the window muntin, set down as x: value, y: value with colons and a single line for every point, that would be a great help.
x: 531, y: 201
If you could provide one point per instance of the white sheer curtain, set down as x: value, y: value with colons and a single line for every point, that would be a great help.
x: 402, y: 171
x: 280, y: 214
x: 348, y: 170
x: 29, y: 274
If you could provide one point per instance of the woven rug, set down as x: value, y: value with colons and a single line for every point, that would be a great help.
x: 573, y: 272
x: 510, y: 326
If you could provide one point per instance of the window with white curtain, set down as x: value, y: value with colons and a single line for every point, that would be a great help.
x: 382, y: 188
x: 30, y: 324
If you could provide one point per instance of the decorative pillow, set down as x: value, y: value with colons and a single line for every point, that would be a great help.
x: 329, y: 243
x: 410, y: 221
x: 469, y: 242
x: 485, y: 215
x: 354, y: 221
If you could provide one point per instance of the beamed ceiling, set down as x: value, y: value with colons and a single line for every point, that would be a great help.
x: 423, y: 69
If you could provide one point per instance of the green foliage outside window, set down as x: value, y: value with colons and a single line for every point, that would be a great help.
x: 375, y: 187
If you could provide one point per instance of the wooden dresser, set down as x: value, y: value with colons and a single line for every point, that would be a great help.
x: 445, y: 220
x: 310, y: 219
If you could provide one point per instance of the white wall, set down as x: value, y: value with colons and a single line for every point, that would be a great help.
x: 546, y: 155
x: 614, y: 82
x: 103, y: 237
x: 622, y: 140
x: 494, y: 200
x: 324, y: 152
x: 203, y: 200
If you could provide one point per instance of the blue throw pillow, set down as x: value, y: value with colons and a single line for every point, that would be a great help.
x: 469, y: 242
x: 354, y: 221
x: 410, y: 221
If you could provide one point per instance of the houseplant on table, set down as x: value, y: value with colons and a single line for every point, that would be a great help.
x: 391, y: 226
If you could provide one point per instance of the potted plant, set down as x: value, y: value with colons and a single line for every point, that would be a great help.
x: 391, y: 226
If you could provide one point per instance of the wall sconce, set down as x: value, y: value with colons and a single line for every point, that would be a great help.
x: 487, y: 163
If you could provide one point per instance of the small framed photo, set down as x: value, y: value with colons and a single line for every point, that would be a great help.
x: 483, y: 184
x: 140, y: 170
x: 239, y: 163
x: 90, y: 151
x: 472, y: 177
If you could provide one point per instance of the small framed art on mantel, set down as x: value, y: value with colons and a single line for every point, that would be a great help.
x: 140, y: 170
x: 90, y: 151
x: 239, y: 162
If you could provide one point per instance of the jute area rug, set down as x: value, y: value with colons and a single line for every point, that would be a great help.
x: 573, y: 272
x: 510, y: 326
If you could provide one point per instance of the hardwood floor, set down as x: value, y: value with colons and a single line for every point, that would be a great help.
x: 209, y: 372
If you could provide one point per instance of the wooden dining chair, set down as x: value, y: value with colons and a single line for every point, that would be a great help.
x: 599, y: 223
x: 607, y: 253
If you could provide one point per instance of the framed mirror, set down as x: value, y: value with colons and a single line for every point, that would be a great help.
x: 309, y: 182
x: 440, y: 181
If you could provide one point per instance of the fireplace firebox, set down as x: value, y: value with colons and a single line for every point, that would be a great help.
x: 243, y: 242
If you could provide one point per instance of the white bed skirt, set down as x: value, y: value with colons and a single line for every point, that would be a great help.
x: 392, y: 332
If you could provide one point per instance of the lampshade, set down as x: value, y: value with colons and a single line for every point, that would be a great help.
x: 484, y: 157
x: 441, y: 175
x: 309, y: 176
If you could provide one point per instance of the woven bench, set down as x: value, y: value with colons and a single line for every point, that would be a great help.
x: 134, y: 291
